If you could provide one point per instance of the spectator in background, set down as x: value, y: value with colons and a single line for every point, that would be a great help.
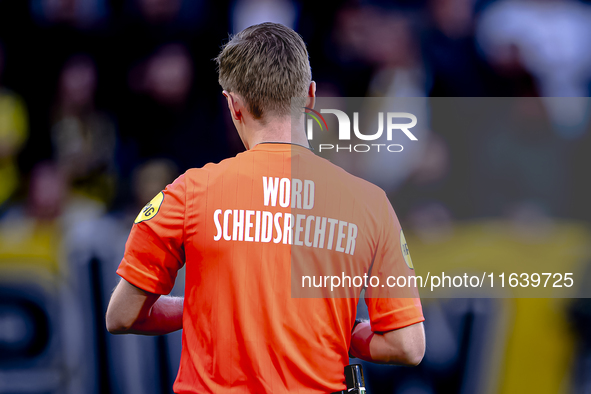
x: 168, y: 76
x: 50, y: 200
x: 550, y: 40
x: 14, y: 131
x: 386, y: 40
x: 149, y: 24
x: 81, y: 14
x: 56, y: 30
x: 392, y: 46
x: 83, y: 137
x: 158, y: 12
x: 550, y: 37
x: 454, y: 65
x: 130, y: 364
x: 104, y: 237
x: 246, y: 13
x: 49, y: 211
x: 328, y: 43
x: 167, y: 118
x: 31, y: 268
x: 50, y: 350
x: 161, y: 42
x: 171, y: 14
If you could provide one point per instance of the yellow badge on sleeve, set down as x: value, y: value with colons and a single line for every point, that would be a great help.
x: 405, y: 251
x: 151, y: 209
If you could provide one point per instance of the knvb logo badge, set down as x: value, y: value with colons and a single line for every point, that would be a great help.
x: 345, y: 130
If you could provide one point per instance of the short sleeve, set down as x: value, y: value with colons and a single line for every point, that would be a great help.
x: 154, y: 251
x: 392, y: 307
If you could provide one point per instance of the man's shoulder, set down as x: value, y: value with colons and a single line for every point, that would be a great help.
x: 339, y: 178
x: 209, y: 169
x: 357, y: 185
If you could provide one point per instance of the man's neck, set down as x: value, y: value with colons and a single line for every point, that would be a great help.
x: 276, y: 130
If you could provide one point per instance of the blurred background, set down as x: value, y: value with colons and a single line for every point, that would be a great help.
x: 104, y: 102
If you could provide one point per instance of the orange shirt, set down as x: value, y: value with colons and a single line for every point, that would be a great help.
x: 249, y: 229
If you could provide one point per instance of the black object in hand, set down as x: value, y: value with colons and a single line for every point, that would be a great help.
x: 354, y: 379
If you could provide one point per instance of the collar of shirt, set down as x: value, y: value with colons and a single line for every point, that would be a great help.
x: 279, y: 147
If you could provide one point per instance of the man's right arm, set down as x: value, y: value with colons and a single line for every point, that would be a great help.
x: 404, y: 346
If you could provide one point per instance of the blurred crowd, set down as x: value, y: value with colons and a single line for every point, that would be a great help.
x: 104, y: 102
x: 97, y: 88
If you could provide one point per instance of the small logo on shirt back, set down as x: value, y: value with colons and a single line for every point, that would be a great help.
x: 151, y: 209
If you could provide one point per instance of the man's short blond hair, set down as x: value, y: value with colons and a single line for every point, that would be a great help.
x: 267, y: 65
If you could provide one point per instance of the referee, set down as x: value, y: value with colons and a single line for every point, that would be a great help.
x: 244, y: 226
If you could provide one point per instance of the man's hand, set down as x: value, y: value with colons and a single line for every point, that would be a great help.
x: 135, y: 311
x: 405, y: 346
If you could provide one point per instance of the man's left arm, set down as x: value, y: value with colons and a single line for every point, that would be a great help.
x: 136, y: 311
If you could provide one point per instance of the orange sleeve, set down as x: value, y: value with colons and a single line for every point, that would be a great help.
x: 391, y: 308
x: 154, y: 251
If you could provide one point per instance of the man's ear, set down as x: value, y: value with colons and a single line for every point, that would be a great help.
x: 311, y: 100
x: 234, y: 105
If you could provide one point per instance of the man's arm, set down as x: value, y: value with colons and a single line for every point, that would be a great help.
x: 135, y: 311
x: 405, y: 346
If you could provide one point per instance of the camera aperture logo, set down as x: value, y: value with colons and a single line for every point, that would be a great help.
x: 392, y: 125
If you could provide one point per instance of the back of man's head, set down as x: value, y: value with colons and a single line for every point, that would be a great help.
x: 267, y: 65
